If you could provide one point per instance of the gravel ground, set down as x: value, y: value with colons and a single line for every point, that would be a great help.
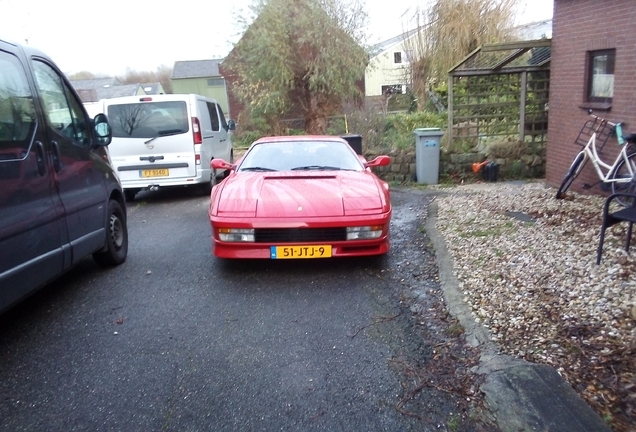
x: 526, y: 264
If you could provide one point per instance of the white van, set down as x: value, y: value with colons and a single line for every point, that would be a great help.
x: 167, y: 140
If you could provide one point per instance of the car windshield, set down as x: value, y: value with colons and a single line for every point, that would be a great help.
x: 148, y: 119
x: 301, y: 156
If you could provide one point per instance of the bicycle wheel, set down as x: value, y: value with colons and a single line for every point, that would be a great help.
x: 577, y: 165
x: 622, y: 172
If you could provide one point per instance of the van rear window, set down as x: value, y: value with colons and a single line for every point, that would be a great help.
x: 148, y: 119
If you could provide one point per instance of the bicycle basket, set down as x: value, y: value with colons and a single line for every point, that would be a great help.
x: 603, y: 131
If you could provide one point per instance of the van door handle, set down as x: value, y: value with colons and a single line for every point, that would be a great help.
x: 57, y: 164
x: 40, y: 158
x: 222, y: 140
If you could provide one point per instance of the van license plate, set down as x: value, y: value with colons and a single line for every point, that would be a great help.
x: 281, y: 252
x: 155, y: 173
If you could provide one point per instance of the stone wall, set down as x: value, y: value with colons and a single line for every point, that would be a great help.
x: 403, y: 167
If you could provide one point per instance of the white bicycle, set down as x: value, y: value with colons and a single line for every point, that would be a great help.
x: 621, y: 175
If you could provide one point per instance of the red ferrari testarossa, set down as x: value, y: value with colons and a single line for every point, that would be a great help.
x: 300, y: 197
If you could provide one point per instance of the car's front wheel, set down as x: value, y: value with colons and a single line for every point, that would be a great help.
x: 116, y: 248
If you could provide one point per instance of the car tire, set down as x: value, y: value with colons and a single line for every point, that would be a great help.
x: 116, y: 249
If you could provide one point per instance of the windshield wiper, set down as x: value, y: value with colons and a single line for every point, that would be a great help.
x: 257, y: 169
x: 317, y: 168
x: 169, y: 132
x: 164, y: 133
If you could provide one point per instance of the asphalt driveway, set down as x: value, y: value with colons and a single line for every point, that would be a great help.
x: 178, y: 340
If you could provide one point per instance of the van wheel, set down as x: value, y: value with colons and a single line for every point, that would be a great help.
x: 116, y: 249
x: 206, y: 188
x: 130, y: 194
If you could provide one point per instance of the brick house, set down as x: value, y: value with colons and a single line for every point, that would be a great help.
x: 593, y: 67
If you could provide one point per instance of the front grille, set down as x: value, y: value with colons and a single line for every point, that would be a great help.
x: 299, y: 235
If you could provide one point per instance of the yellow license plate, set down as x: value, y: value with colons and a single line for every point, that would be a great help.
x: 284, y: 252
x: 155, y: 172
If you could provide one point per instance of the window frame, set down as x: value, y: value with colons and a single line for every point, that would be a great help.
x: 18, y: 115
x: 611, y: 66
x: 63, y: 112
x: 397, y: 57
x: 215, y: 82
x: 392, y: 89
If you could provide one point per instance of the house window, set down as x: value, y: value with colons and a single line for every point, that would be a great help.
x: 397, y: 57
x: 393, y: 89
x: 600, y: 84
x: 212, y: 82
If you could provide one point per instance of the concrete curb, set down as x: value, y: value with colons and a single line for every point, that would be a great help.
x: 522, y: 396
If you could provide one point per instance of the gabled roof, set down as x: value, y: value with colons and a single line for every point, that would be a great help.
x: 383, y: 46
x: 535, y: 30
x: 94, y: 83
x: 152, y: 88
x: 196, y: 68
x: 118, y: 91
x: 95, y: 94
x: 530, y: 31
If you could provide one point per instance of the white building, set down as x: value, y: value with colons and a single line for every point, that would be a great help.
x: 388, y: 69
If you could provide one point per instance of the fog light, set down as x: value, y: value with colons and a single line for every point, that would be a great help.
x: 364, y: 232
x: 236, y: 234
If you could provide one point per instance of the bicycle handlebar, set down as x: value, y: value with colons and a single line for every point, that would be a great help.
x: 618, y: 127
x: 602, y: 119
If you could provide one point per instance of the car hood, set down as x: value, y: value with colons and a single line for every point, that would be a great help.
x: 303, y: 195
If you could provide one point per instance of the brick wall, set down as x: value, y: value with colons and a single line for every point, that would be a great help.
x: 580, y: 26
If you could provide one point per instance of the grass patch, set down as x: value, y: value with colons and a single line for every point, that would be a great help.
x: 455, y: 329
x: 453, y: 422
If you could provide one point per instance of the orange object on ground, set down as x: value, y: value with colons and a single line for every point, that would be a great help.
x: 478, y: 165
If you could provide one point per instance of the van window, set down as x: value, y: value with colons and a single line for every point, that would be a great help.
x: 148, y: 120
x: 63, y: 112
x: 17, y: 112
x: 214, y: 118
x: 223, y: 122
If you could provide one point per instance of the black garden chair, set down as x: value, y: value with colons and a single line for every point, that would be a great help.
x: 625, y: 214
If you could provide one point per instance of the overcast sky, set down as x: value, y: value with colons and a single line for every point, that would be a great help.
x: 109, y: 37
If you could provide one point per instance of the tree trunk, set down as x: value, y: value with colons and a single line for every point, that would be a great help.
x: 315, y: 125
x: 316, y: 114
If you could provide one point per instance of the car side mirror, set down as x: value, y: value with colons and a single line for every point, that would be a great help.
x: 220, y: 164
x: 103, y: 132
x: 231, y: 125
x: 379, y: 161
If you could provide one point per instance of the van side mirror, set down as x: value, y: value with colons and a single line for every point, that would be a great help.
x: 103, y: 132
x: 231, y: 125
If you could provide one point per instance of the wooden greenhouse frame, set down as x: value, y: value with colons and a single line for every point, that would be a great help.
x: 500, y: 92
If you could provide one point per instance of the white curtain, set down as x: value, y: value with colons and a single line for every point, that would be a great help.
x: 603, y: 85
